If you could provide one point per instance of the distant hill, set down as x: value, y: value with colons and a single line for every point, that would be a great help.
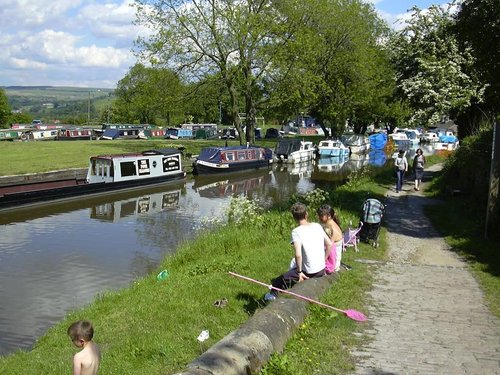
x: 51, y: 102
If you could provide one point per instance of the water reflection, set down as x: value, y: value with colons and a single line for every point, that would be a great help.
x: 234, y: 184
x: 356, y: 162
x: 143, y: 205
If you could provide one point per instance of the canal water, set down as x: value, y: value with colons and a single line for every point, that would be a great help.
x: 57, y: 257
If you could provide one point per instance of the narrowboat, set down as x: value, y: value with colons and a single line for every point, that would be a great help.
x: 178, y: 133
x: 40, y: 135
x: 75, y: 134
x: 332, y: 147
x: 128, y: 133
x: 231, y: 159
x: 105, y: 173
x: 10, y: 134
x: 294, y: 151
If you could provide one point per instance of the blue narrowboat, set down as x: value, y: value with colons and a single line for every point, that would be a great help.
x: 178, y: 133
x: 231, y: 159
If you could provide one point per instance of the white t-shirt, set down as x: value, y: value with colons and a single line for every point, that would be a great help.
x: 312, y: 240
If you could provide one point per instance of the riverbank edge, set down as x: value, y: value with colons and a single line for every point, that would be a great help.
x: 64, y: 174
x: 248, y: 348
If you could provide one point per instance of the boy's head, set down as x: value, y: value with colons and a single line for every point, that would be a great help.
x: 325, y: 212
x: 299, y: 211
x: 81, y: 331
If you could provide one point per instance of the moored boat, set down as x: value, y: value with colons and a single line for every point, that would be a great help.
x: 75, y: 133
x: 332, y: 147
x: 357, y: 143
x: 105, y: 173
x: 294, y: 151
x: 231, y: 158
x: 10, y: 134
x: 127, y: 133
x: 377, y: 140
x: 429, y: 137
x: 446, y: 143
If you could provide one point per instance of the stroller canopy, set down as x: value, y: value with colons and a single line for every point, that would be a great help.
x: 372, y: 211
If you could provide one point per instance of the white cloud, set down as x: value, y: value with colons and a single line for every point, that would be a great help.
x: 66, y: 42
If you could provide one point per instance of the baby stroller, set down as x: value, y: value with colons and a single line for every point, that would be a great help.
x: 351, y: 237
x: 371, y: 218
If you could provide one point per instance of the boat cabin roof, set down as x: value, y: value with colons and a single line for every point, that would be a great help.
x: 163, y: 151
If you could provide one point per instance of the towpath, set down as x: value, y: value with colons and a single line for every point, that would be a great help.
x: 428, y: 313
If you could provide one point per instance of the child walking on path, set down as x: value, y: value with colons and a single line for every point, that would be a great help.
x: 85, y: 362
x: 312, y: 247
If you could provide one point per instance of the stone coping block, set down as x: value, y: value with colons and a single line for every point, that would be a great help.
x: 247, y: 349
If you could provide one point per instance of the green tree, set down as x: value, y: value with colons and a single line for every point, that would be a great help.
x: 234, y: 40
x: 433, y: 74
x: 478, y: 30
x: 20, y: 118
x: 334, y: 67
x: 147, y: 95
x: 5, y: 109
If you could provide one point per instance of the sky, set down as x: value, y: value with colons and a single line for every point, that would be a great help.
x: 88, y: 43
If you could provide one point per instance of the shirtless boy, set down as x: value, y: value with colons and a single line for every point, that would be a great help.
x: 85, y: 362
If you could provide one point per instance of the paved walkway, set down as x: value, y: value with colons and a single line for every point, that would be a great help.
x: 428, y: 314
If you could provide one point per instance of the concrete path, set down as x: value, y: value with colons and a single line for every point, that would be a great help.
x: 428, y: 314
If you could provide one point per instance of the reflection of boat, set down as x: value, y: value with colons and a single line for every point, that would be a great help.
x: 377, y: 157
x: 236, y: 183
x: 105, y: 173
x: 214, y: 160
x: 142, y: 205
x: 302, y: 170
x: 357, y: 143
x: 56, y: 207
x: 332, y: 164
x: 332, y: 147
x: 294, y: 151
x: 356, y: 162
